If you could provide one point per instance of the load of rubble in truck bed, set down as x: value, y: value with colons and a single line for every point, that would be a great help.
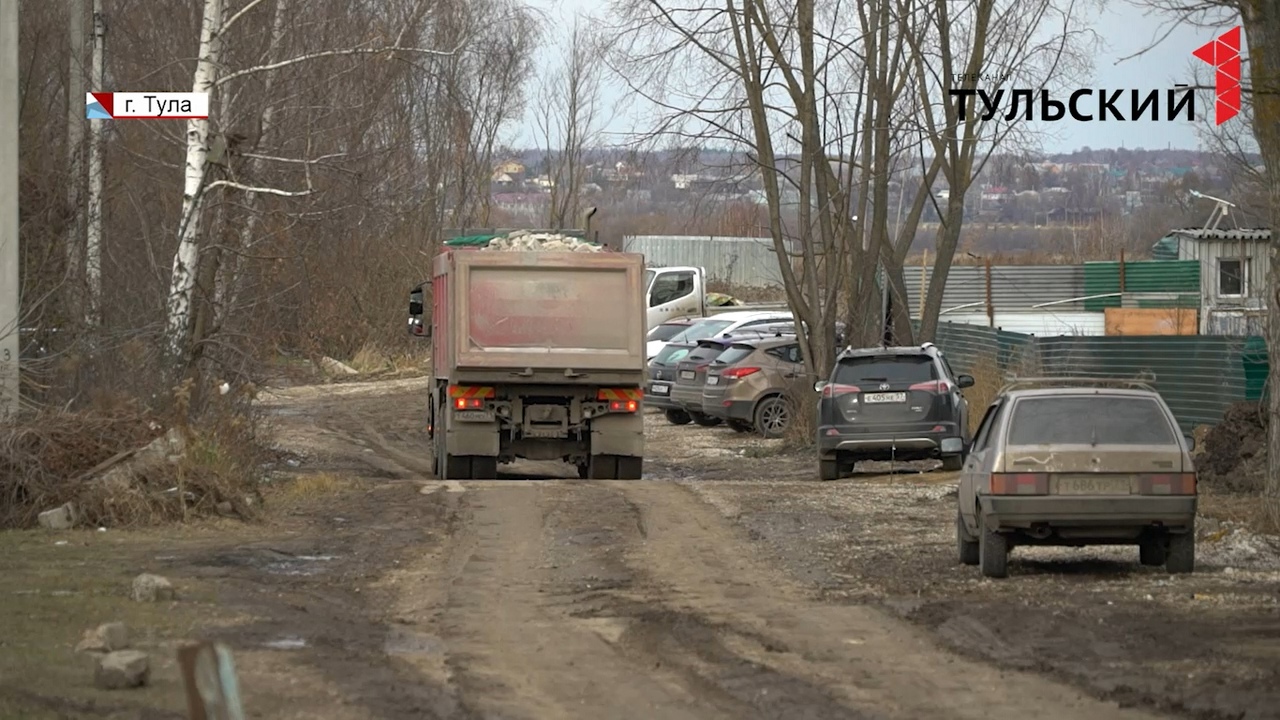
x: 523, y: 240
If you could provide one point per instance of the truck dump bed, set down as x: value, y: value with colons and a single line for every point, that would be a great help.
x: 539, y: 310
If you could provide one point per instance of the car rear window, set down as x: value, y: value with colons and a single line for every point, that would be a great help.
x: 666, y: 331
x: 886, y: 369
x: 734, y: 354
x: 702, y: 330
x: 671, y: 354
x: 705, y: 353
x: 1083, y: 420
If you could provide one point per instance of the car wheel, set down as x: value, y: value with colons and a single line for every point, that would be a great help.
x: 677, y: 417
x: 966, y: 546
x: 740, y: 426
x: 828, y: 469
x: 1181, y: 555
x: 1151, y: 551
x: 951, y: 463
x: 993, y: 551
x: 772, y: 417
x: 704, y: 420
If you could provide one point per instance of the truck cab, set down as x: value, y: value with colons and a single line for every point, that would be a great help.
x: 674, y: 292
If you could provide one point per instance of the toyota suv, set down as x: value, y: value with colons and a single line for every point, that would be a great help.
x: 753, y: 383
x: 891, y: 403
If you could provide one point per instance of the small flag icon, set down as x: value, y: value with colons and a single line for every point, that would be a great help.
x: 94, y: 109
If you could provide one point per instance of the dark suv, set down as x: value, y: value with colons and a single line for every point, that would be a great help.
x: 892, y: 403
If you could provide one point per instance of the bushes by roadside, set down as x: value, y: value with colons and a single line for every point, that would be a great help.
x: 128, y: 465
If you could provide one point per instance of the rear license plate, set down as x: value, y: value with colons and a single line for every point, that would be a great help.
x: 1093, y: 485
x: 713, y: 380
x: 473, y: 415
x: 687, y: 374
x: 660, y: 389
x: 884, y: 397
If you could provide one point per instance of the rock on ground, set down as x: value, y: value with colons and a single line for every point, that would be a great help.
x: 336, y: 367
x: 122, y: 669
x: 59, y: 518
x: 107, y: 637
x: 151, y: 588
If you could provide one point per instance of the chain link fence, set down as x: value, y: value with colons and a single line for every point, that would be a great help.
x: 1199, y: 376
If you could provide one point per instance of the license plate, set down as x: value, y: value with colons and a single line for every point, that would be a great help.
x: 660, y: 389
x: 687, y: 374
x: 473, y: 415
x: 1093, y: 485
x: 713, y: 380
x: 884, y: 397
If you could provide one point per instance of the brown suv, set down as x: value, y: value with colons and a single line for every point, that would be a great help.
x: 748, y: 385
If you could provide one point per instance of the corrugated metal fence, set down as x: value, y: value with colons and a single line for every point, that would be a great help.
x: 1013, y: 287
x: 1199, y: 376
x: 739, y: 261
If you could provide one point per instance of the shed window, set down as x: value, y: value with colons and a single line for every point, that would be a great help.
x: 1231, y: 276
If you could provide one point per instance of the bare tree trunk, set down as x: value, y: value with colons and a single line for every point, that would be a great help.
x: 187, y: 257
x: 75, y: 158
x: 1262, y: 34
x: 93, y: 238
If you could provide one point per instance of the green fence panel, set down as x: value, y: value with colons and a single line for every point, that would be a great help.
x: 1145, y: 276
x: 1199, y: 376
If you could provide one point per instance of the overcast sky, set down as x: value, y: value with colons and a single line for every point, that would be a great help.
x: 1123, y: 28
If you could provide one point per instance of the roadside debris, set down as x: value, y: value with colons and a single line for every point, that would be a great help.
x: 59, y: 518
x: 336, y: 367
x: 122, y: 669
x: 151, y: 588
x: 106, y: 638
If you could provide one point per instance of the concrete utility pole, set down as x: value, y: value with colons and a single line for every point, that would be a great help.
x: 9, y: 300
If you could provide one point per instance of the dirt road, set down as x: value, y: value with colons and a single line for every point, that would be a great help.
x: 726, y: 584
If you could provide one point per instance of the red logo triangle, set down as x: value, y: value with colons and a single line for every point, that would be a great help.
x: 1206, y: 52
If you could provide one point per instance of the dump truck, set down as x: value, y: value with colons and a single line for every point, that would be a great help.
x: 537, y: 355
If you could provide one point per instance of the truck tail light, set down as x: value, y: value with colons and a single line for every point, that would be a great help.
x: 836, y: 389
x: 1019, y: 483
x: 1167, y: 484
x: 623, y: 406
x: 467, y: 397
x: 738, y: 373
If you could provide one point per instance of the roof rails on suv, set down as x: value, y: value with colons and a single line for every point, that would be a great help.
x: 1022, y: 383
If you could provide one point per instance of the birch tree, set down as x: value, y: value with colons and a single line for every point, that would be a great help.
x: 75, y: 241
x: 212, y: 76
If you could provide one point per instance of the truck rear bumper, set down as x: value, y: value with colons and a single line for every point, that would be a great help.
x: 1176, y: 513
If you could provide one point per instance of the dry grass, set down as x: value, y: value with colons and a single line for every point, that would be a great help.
x: 372, y: 359
x: 801, y: 434
x: 987, y: 380
x: 59, y: 457
x: 310, y: 487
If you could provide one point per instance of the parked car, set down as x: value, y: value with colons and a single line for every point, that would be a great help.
x: 891, y: 403
x: 662, y: 375
x: 691, y: 373
x: 726, y: 322
x: 753, y: 383
x: 662, y: 334
x: 1074, y: 463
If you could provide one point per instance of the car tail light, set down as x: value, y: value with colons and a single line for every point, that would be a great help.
x: 1167, y: 484
x: 738, y: 372
x: 933, y: 386
x: 836, y: 389
x: 1019, y: 484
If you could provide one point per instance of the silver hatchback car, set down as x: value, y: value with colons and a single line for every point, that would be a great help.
x: 1073, y: 463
